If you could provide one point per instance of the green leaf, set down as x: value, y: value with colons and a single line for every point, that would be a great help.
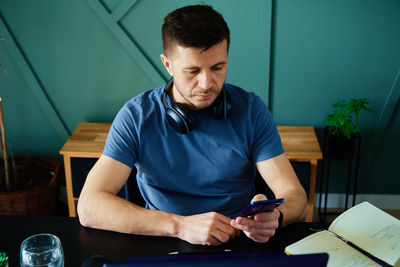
x: 340, y: 121
x: 3, y: 259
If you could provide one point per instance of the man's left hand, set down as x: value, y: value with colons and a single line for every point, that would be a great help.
x: 260, y: 227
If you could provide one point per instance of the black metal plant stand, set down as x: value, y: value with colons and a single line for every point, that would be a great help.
x: 327, y: 161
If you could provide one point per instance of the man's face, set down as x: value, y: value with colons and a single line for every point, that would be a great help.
x: 198, y: 75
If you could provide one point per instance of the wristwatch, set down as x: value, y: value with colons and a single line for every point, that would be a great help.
x: 280, y: 219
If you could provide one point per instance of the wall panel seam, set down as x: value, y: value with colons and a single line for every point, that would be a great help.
x: 382, y: 124
x: 122, y: 9
x: 129, y: 45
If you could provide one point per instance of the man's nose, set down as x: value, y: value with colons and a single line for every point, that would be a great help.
x: 204, y: 80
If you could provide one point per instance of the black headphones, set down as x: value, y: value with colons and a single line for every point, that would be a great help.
x: 180, y: 118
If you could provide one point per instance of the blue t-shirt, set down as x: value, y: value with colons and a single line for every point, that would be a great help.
x: 212, y: 168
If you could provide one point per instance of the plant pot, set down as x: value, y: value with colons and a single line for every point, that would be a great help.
x: 341, y: 147
x: 39, y: 199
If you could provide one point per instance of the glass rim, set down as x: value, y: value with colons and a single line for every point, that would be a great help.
x: 41, y: 234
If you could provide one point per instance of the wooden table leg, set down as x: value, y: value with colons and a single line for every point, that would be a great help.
x: 311, y: 192
x: 68, y: 182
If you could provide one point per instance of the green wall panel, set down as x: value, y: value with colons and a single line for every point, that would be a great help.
x: 111, y: 4
x: 88, y: 57
x: 385, y: 169
x: 331, y: 50
x: 29, y: 130
x: 325, y: 51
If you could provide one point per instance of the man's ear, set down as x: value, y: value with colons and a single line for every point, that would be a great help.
x: 167, y: 64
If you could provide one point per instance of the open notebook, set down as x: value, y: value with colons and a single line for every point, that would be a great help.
x: 362, y: 236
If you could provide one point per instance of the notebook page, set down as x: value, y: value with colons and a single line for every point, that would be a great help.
x: 371, y: 229
x: 340, y: 254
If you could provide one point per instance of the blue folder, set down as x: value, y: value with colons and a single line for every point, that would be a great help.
x: 229, y: 259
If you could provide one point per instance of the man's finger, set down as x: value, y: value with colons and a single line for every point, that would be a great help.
x: 259, y: 197
x: 258, y: 238
x: 212, y: 240
x: 249, y: 226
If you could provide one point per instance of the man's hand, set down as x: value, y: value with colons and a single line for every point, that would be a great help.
x: 207, y: 229
x: 260, y: 227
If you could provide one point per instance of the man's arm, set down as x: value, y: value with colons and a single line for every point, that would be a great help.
x: 99, y: 207
x: 278, y: 173
x: 281, y: 178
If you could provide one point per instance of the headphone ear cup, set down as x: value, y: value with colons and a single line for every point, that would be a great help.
x: 180, y: 118
x: 186, y: 114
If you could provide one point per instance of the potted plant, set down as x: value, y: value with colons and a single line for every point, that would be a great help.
x: 343, y: 126
x: 3, y: 259
x: 28, y: 184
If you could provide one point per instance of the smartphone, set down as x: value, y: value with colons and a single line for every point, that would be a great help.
x: 260, y: 206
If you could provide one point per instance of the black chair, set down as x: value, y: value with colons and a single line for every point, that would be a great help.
x: 80, y: 168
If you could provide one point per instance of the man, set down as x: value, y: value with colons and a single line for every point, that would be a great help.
x: 196, y: 144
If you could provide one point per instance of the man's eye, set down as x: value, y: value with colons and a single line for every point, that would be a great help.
x: 193, y: 71
x: 216, y: 68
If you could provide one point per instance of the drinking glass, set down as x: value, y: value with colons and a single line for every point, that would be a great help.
x: 42, y: 250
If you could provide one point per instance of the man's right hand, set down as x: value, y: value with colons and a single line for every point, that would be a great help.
x: 209, y: 228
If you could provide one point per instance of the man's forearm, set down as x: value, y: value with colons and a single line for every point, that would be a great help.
x: 109, y: 212
x: 294, y: 209
x: 278, y: 173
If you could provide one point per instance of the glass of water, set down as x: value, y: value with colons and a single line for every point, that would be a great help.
x: 42, y: 250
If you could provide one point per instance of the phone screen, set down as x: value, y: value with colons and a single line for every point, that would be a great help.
x: 260, y: 206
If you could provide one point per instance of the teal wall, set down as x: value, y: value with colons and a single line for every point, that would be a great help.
x: 324, y: 51
x: 73, y: 61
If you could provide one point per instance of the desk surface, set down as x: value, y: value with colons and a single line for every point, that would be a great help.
x: 299, y: 142
x: 87, y: 140
x: 80, y: 242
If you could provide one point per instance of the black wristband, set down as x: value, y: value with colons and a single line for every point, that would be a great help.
x: 280, y: 219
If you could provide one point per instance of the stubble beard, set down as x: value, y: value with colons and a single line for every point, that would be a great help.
x: 192, y: 105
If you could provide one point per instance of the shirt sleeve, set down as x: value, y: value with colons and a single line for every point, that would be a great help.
x: 122, y: 139
x: 266, y: 140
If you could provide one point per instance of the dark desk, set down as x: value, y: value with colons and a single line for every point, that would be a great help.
x: 80, y: 242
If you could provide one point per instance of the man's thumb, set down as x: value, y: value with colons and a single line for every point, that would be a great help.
x: 259, y: 197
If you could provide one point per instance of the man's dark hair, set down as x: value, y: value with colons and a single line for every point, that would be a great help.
x: 198, y: 26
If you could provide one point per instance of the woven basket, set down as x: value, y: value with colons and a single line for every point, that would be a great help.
x: 38, y: 200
